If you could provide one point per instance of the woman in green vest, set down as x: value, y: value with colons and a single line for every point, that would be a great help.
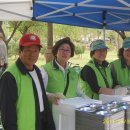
x: 121, y: 67
x: 62, y: 79
x: 96, y: 76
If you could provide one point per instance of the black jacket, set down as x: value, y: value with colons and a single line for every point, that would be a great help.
x: 9, y: 96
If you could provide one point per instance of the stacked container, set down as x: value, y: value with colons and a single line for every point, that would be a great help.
x: 100, y: 117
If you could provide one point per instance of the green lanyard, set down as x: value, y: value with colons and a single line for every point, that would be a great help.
x: 103, y: 73
x: 67, y: 84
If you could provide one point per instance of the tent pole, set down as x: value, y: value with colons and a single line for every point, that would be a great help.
x: 104, y: 24
x: 104, y: 33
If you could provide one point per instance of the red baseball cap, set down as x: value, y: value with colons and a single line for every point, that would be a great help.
x: 30, y: 39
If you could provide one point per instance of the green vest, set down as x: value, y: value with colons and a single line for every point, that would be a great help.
x: 121, y: 74
x: 25, y: 106
x: 57, y: 81
x: 87, y: 89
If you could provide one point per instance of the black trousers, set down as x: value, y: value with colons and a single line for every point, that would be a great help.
x: 41, y: 118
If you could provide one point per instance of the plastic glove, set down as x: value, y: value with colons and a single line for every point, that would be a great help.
x: 121, y: 91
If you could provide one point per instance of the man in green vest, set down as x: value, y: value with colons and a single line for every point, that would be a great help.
x: 23, y: 100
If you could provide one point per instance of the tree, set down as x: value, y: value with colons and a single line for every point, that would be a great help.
x: 79, y: 50
x: 111, y: 37
x: 75, y: 33
x: 18, y: 28
x: 14, y: 26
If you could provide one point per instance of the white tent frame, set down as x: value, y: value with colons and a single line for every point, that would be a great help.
x: 16, y: 10
x: 80, y: 15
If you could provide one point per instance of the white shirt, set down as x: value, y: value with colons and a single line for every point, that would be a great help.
x: 44, y: 76
x: 3, y: 53
x: 38, y: 86
x: 64, y: 70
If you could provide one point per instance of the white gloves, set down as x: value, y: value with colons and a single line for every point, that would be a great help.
x: 121, y: 91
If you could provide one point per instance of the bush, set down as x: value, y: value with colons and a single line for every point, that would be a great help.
x: 79, y: 49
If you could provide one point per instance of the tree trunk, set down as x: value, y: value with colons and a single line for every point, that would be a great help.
x: 1, y: 27
x: 122, y: 34
x: 13, y: 32
x: 48, y: 53
x: 1, y: 30
x: 118, y: 42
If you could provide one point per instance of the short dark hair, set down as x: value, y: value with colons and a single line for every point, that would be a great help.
x: 92, y: 53
x: 21, y: 48
x: 61, y: 42
x: 120, y: 53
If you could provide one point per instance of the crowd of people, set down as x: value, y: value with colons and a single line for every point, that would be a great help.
x: 27, y: 91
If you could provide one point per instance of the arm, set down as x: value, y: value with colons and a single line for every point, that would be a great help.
x: 54, y: 98
x: 113, y: 72
x: 8, y: 99
x: 88, y: 75
x: 79, y: 93
x: 44, y: 76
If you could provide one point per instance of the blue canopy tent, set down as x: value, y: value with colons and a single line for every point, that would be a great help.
x: 107, y: 14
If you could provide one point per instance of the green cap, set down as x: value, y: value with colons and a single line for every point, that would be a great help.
x: 98, y: 44
x: 126, y: 43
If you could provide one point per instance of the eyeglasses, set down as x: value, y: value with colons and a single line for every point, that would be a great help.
x: 65, y: 50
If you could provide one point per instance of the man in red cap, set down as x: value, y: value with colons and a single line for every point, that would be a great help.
x: 23, y: 101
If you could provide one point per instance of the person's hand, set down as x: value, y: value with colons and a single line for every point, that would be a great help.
x: 55, y: 97
x: 107, y: 91
x: 121, y: 91
x: 60, y: 95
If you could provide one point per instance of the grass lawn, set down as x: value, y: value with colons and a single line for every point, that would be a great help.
x: 81, y: 60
